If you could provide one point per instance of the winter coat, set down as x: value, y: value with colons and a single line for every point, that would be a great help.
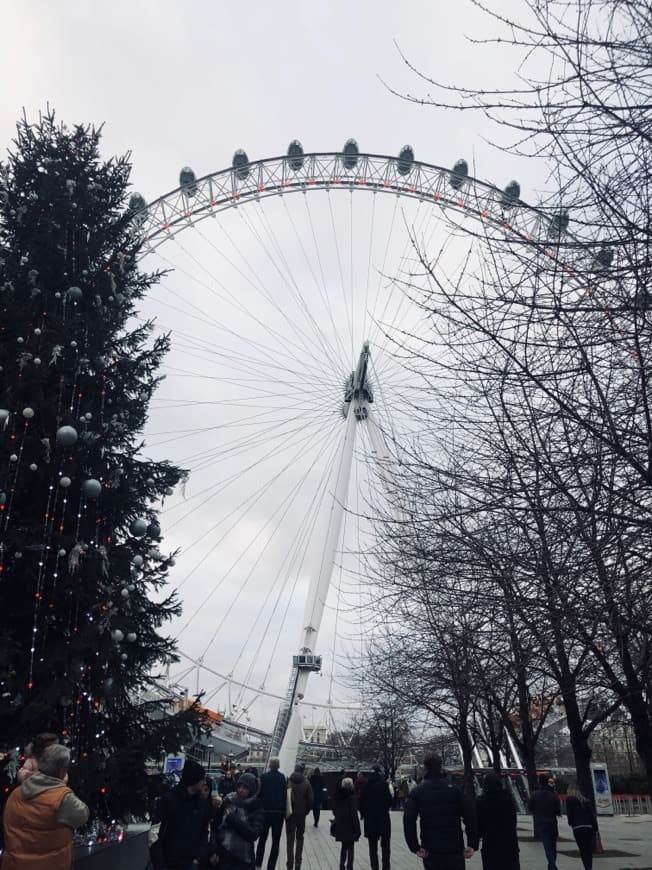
x: 317, y: 785
x: 581, y: 814
x: 441, y: 807
x: 545, y: 807
x: 273, y: 792
x: 301, y: 795
x: 241, y: 824
x: 39, y: 818
x: 496, y: 814
x: 375, y: 804
x: 346, y: 824
x: 183, y: 834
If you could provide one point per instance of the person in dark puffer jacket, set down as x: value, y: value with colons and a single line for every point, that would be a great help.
x: 242, y: 822
x: 496, y: 813
x: 440, y: 807
x: 375, y: 804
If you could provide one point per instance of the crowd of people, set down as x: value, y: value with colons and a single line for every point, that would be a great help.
x: 202, y: 824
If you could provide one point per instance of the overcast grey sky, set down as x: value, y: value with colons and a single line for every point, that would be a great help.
x: 188, y: 83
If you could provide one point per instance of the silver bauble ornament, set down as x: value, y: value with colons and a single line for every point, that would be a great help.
x: 37, y: 331
x: 33, y: 467
x: 138, y: 528
x: 13, y: 457
x: 91, y: 488
x: 132, y: 637
x: 65, y: 482
x: 62, y: 553
x: 74, y: 294
x: 28, y: 413
x: 73, y: 344
x: 124, y: 592
x: 123, y: 657
x: 138, y: 561
x: 37, y: 361
x: 117, y: 636
x: 132, y: 587
x: 67, y: 436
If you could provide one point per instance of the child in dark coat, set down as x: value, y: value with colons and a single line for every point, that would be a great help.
x: 242, y: 822
x: 346, y: 823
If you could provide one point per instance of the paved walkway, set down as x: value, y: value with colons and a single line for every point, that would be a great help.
x: 628, y: 842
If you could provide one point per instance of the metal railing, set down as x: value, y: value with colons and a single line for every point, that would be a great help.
x: 632, y: 804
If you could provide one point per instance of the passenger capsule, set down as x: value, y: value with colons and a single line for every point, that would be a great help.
x: 137, y: 202
x: 559, y: 223
x: 351, y: 153
x: 511, y: 194
x: 241, y: 164
x: 295, y: 155
x: 603, y: 259
x: 405, y: 160
x: 188, y: 181
x: 459, y: 174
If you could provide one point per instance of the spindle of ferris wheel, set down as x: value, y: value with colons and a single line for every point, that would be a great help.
x: 452, y: 192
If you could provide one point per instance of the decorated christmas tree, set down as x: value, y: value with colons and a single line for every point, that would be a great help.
x: 81, y: 573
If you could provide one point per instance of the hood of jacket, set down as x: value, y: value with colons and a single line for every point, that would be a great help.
x: 38, y: 782
x: 341, y: 794
x: 297, y: 778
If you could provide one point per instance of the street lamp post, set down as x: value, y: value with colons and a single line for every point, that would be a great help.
x: 210, y: 755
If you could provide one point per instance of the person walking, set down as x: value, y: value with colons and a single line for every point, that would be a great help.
x: 317, y: 785
x: 41, y: 815
x: 185, y: 815
x: 441, y: 808
x: 375, y: 804
x: 301, y: 800
x: 496, y: 813
x: 242, y: 822
x: 545, y: 808
x: 273, y: 797
x: 346, y: 823
x: 582, y: 818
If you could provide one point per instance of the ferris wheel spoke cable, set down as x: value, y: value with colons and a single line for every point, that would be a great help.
x: 320, y: 285
x: 241, y: 423
x: 248, y: 500
x: 283, y: 342
x: 247, y: 503
x: 320, y: 495
x: 293, y: 285
x: 341, y: 274
x: 286, y: 504
x: 325, y: 294
x: 319, y: 335
x: 386, y: 250
x: 296, y: 553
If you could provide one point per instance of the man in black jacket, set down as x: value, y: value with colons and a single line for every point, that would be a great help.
x: 375, y: 804
x: 273, y: 796
x: 184, y: 815
x: 440, y: 807
x: 545, y: 807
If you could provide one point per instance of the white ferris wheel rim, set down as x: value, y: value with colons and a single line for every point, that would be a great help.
x: 251, y: 181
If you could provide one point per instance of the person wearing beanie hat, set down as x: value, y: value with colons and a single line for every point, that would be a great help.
x: 185, y: 816
x: 242, y: 822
